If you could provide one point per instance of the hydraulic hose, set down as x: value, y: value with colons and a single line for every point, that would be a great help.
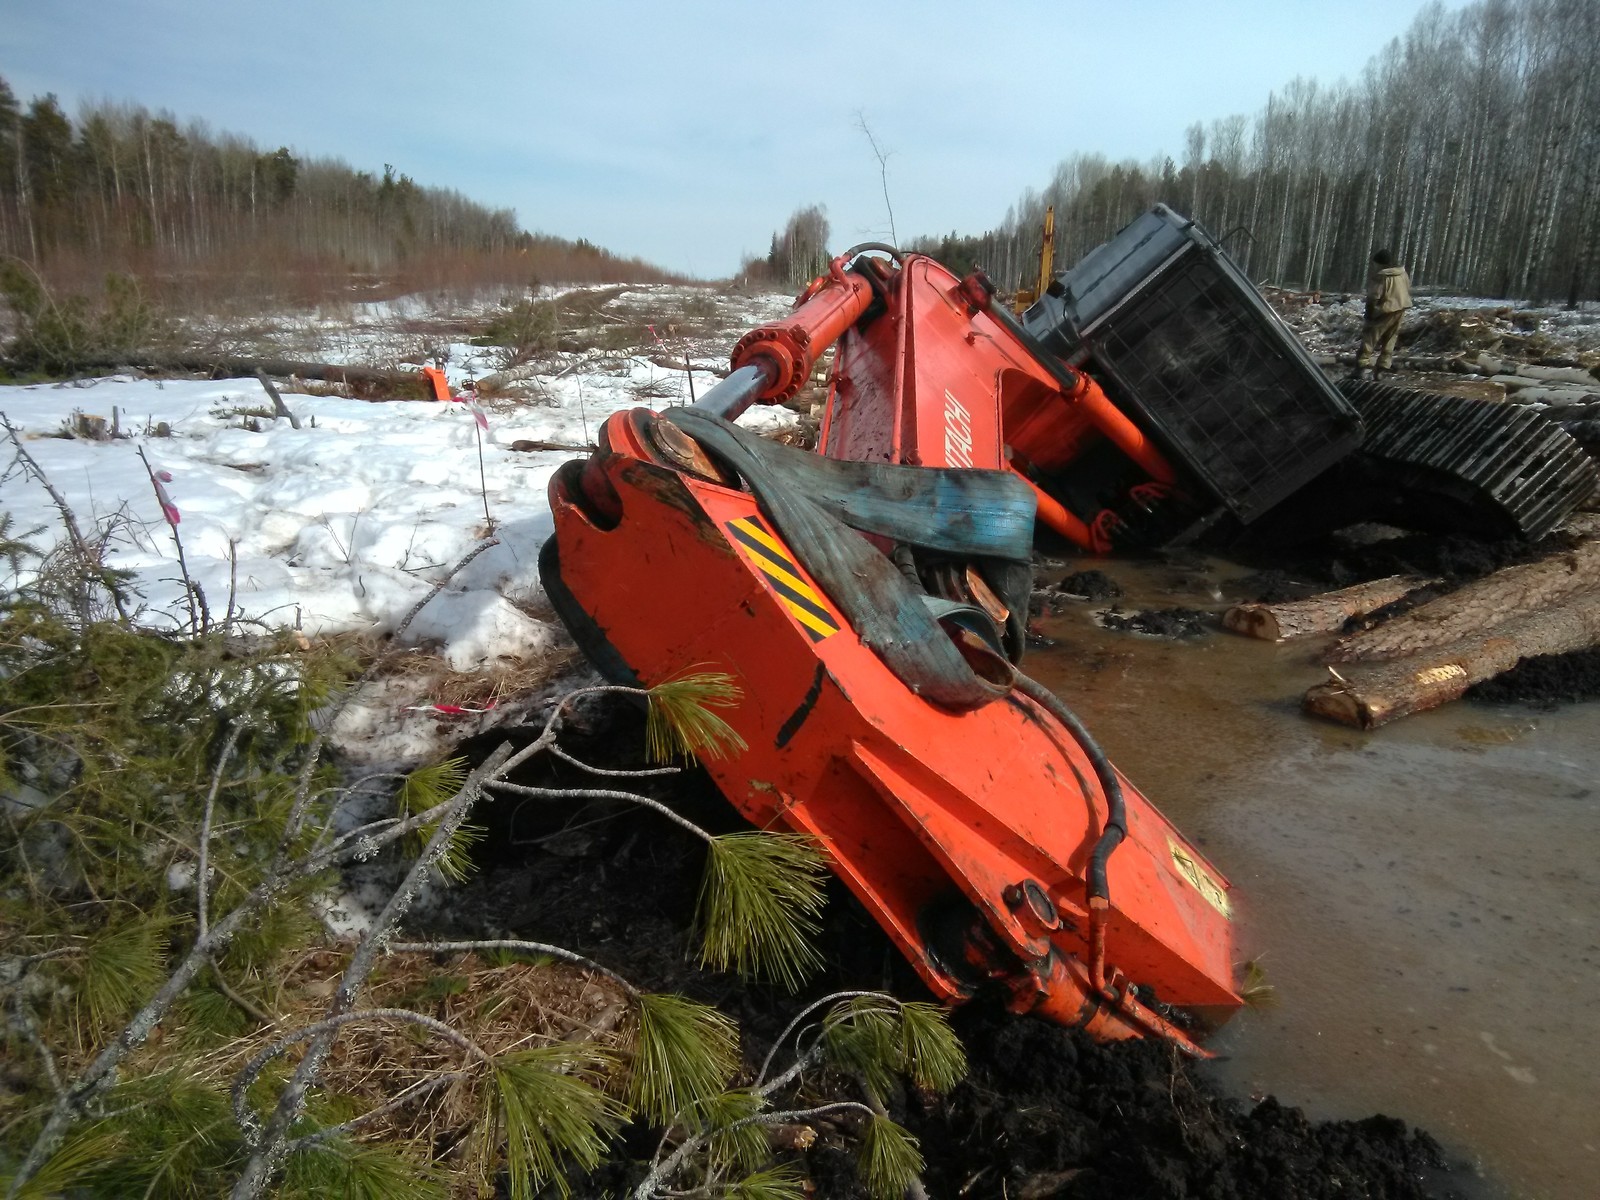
x: 863, y: 247
x: 1123, y: 1000
x: 1116, y: 823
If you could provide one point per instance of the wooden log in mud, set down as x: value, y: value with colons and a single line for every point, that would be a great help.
x: 1317, y: 614
x: 1475, y: 607
x: 1369, y: 695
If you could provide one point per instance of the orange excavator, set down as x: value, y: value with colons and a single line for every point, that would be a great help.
x: 870, y: 598
x: 870, y: 602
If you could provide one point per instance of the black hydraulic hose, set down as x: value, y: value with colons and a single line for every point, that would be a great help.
x: 863, y: 247
x: 1116, y: 825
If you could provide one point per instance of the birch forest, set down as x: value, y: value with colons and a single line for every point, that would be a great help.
x: 122, y: 189
x: 1470, y: 147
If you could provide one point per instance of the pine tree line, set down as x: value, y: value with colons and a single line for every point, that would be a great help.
x: 1470, y: 147
x: 121, y: 188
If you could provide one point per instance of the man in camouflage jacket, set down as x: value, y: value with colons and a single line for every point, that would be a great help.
x: 1388, y: 297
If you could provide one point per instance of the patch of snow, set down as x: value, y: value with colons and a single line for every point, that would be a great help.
x: 478, y: 627
x: 343, y: 524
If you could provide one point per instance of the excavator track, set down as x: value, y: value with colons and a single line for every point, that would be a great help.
x: 1498, y: 464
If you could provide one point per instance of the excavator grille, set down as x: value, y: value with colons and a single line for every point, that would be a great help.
x: 1521, y: 471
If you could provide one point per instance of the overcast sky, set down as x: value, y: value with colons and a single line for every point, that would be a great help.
x: 685, y: 132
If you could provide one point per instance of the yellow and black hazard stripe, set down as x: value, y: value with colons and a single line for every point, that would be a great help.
x: 775, y: 562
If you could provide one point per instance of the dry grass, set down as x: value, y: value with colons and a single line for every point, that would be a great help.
x: 434, y: 677
x: 500, y: 1008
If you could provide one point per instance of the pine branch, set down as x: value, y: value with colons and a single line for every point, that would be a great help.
x: 638, y: 773
x: 241, y: 1002
x: 202, y: 869
x: 304, y: 795
x: 890, y: 1162
x: 794, y: 1024
x: 270, y: 1145
x: 22, y: 1022
x: 662, y: 1171
x: 522, y: 789
x: 199, y: 615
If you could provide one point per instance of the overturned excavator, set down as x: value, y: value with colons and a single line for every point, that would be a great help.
x: 870, y: 598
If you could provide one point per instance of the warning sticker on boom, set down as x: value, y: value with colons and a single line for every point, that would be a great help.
x: 773, y: 560
x: 1204, y: 883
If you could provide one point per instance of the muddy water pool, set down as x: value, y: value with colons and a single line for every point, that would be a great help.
x: 1425, y: 898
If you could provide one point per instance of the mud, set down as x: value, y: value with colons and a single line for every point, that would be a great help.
x: 1047, y: 1112
x: 1044, y: 1111
x: 1162, y: 622
x: 1545, y: 681
x: 1372, y: 552
x: 1273, y: 586
x: 1090, y: 585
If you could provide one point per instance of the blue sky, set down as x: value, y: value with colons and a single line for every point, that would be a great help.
x: 686, y: 132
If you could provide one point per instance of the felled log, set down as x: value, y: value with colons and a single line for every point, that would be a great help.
x: 1578, y: 376
x: 230, y: 367
x: 1316, y: 614
x: 527, y: 445
x: 1367, y: 696
x: 1475, y: 607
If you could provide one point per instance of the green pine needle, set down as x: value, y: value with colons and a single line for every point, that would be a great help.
x: 930, y: 1051
x: 76, y: 1160
x: 431, y: 785
x: 876, y: 1038
x: 455, y: 862
x: 1254, y: 989
x: 740, y: 1147
x: 122, y: 965
x: 776, y: 1183
x: 425, y: 788
x: 550, y: 1113
x: 861, y: 1037
x: 759, y: 903
x: 179, y: 1138
x: 359, y: 1171
x: 684, y: 1054
x: 889, y: 1160
x: 209, y: 1017
x: 680, y: 723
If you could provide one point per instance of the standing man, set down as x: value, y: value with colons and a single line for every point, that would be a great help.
x: 1388, y: 297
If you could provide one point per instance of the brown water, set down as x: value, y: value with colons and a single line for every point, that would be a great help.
x: 1426, y: 898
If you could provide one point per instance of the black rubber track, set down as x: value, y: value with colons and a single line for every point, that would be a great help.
x: 1512, y: 463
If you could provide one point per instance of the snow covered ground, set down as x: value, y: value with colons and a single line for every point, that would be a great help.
x: 343, y: 524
